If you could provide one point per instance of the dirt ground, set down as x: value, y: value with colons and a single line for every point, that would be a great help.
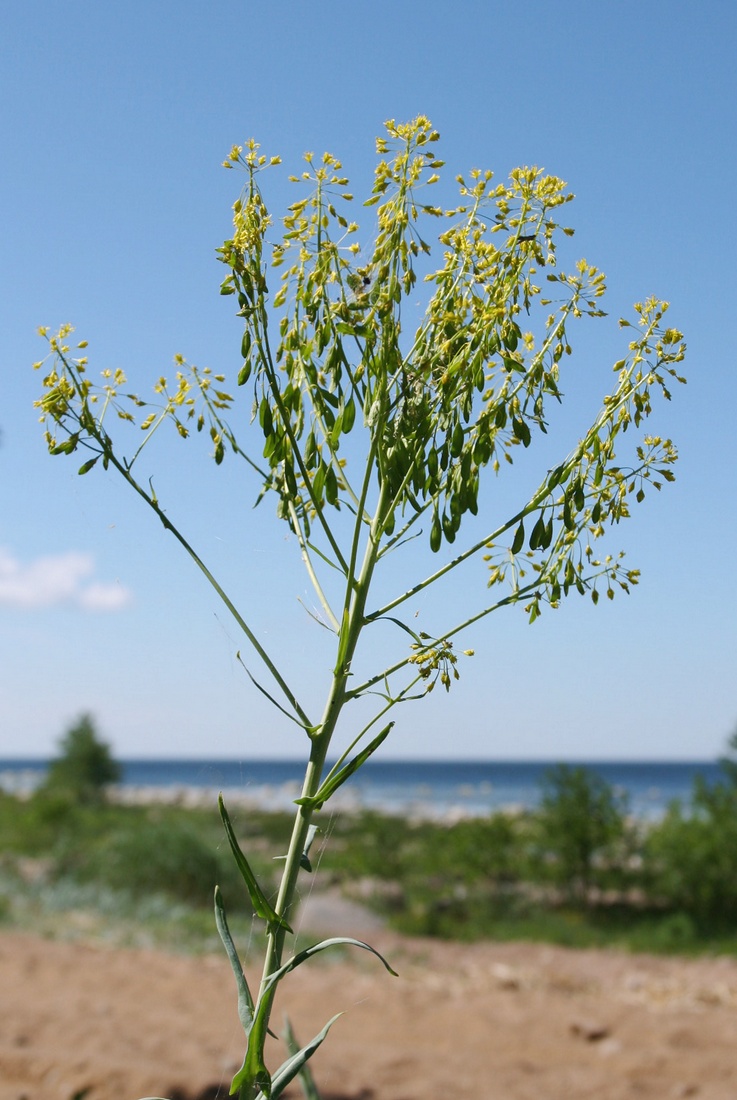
x: 492, y: 1021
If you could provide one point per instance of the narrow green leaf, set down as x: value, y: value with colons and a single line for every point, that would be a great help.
x: 261, y: 906
x: 87, y: 466
x: 337, y: 779
x: 289, y: 1069
x: 245, y: 1000
x: 519, y: 538
x: 306, y: 1080
x: 316, y: 948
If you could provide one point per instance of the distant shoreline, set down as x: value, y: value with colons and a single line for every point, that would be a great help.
x: 421, y: 789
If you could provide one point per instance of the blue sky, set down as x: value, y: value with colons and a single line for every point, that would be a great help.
x: 114, y: 120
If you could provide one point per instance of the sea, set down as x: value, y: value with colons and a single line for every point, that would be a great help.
x: 443, y: 790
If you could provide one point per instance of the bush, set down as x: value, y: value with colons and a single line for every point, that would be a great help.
x: 168, y: 857
x: 581, y: 829
x: 692, y: 857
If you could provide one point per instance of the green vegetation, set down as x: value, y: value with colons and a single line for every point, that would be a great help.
x: 582, y: 829
x: 85, y: 767
x: 146, y: 873
x: 437, y: 397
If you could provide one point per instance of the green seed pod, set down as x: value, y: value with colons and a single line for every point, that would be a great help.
x: 436, y: 534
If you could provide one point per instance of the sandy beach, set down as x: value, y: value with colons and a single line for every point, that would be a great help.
x: 498, y: 1021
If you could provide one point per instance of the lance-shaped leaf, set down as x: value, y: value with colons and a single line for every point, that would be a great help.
x: 253, y: 1071
x: 337, y: 778
x: 335, y: 941
x: 306, y: 1080
x: 261, y: 906
x: 294, y: 1065
x: 245, y: 1000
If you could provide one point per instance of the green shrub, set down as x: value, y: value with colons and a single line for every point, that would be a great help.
x: 581, y: 830
x: 692, y: 857
x: 171, y: 857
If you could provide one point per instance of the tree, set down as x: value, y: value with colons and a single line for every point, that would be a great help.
x: 728, y: 762
x: 85, y: 766
x: 692, y: 852
x: 580, y: 819
x: 429, y: 413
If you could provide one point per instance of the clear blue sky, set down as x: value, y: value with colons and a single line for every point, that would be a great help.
x: 114, y: 120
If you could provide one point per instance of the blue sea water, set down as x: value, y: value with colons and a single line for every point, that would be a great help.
x: 415, y: 787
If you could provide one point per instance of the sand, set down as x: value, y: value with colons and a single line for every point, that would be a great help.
x: 496, y: 1021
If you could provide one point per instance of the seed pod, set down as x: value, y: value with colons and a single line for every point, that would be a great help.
x: 436, y: 534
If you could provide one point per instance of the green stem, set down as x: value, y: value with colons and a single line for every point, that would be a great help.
x: 310, y: 568
x: 350, y: 633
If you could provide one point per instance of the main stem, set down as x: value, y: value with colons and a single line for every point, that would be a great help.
x: 350, y: 632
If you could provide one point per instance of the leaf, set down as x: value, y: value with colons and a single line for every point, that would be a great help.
x: 261, y: 906
x: 254, y: 1071
x: 306, y: 1080
x: 289, y: 1069
x: 335, y: 941
x: 519, y: 538
x: 337, y: 779
x: 87, y: 466
x: 245, y: 1000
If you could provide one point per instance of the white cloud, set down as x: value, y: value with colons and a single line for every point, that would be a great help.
x: 57, y: 579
